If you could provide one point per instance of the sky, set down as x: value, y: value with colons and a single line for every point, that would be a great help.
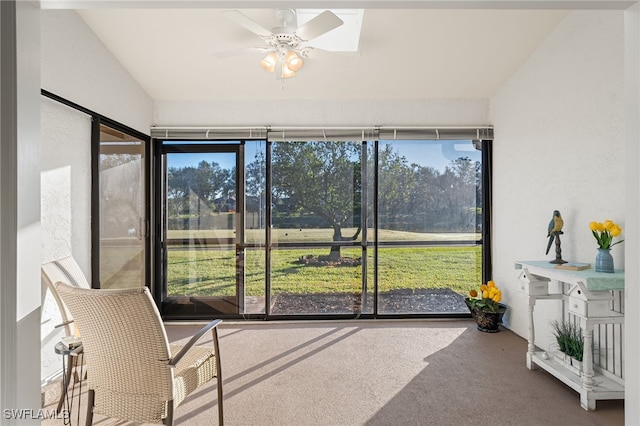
x: 436, y: 154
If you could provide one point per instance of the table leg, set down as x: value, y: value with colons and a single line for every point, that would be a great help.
x: 66, y: 379
x: 587, y: 355
x: 531, y: 338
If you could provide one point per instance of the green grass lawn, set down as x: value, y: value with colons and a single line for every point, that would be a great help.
x: 212, y: 272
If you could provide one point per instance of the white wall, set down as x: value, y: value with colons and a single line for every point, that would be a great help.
x: 19, y: 207
x: 632, y: 270
x: 559, y: 144
x: 28, y: 206
x: 323, y: 113
x: 66, y: 183
x: 76, y: 66
x: 65, y: 206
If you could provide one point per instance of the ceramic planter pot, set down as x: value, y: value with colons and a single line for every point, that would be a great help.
x: 488, y: 322
x: 604, y: 261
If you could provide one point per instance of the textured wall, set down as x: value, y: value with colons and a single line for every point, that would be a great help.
x: 66, y: 183
x: 65, y: 206
x: 559, y: 144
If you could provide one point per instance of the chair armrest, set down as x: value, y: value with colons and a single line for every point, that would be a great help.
x: 174, y: 360
x: 62, y: 324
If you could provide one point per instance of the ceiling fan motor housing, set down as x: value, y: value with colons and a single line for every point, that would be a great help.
x: 286, y: 16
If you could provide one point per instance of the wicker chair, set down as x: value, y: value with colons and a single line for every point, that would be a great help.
x: 135, y: 374
x: 68, y: 271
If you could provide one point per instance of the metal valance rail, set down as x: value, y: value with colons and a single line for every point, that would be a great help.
x: 356, y: 133
x: 436, y: 133
x: 283, y: 134
x: 209, y: 133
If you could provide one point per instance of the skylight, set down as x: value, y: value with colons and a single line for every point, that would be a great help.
x: 345, y: 38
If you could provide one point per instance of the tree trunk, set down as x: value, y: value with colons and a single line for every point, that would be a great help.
x: 335, y: 253
x: 335, y: 249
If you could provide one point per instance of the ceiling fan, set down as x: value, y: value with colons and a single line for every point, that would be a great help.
x: 285, y: 45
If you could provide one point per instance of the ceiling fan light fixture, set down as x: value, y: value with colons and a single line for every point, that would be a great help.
x: 293, y: 61
x: 268, y: 63
x: 287, y: 44
x: 287, y: 72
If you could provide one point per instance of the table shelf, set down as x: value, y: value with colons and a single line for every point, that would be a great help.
x: 603, y: 386
x: 589, y: 299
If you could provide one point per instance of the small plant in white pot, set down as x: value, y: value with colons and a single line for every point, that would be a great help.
x: 570, y: 344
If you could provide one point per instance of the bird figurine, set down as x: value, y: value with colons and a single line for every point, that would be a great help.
x: 555, y: 228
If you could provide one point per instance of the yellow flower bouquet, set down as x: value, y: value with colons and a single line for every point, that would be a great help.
x: 604, y: 233
x: 487, y: 300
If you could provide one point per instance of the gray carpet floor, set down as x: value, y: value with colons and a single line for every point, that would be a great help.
x: 419, y: 372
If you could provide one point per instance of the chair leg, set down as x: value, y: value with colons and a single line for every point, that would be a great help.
x: 169, y: 419
x: 90, y: 402
x: 66, y: 380
x: 216, y: 346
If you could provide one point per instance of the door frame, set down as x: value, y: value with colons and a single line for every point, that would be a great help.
x: 97, y: 121
x: 197, y: 307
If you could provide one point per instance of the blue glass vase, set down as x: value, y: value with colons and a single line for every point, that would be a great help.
x: 604, y: 261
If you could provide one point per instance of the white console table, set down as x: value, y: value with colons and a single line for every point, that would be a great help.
x: 588, y: 297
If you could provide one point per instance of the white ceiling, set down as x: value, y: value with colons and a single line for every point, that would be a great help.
x: 404, y: 54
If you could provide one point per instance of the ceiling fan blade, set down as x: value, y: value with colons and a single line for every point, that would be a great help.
x: 319, y: 25
x: 240, y: 51
x: 315, y: 52
x: 247, y: 23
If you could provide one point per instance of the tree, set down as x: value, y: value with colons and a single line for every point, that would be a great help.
x: 255, y: 176
x: 323, y: 178
x: 396, y: 182
x: 461, y: 175
x: 208, y: 182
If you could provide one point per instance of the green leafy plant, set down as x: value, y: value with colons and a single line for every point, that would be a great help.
x: 569, y: 338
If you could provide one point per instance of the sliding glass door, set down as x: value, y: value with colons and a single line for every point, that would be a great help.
x: 121, y: 228
x: 202, y: 229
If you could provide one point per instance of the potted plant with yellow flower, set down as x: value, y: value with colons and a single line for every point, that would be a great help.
x: 604, y: 232
x: 485, y: 307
